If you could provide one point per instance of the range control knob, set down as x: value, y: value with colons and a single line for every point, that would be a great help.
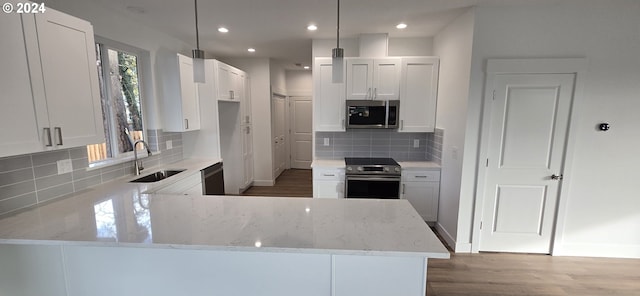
x: 360, y: 169
x: 349, y: 169
x: 386, y: 169
x: 397, y: 169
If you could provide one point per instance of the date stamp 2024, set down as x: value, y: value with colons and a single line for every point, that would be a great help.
x: 23, y: 7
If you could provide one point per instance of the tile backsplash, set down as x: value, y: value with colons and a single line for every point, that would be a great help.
x: 30, y: 179
x: 379, y: 143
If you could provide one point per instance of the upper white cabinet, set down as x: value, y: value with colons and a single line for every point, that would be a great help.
x: 49, y: 83
x: 230, y: 82
x: 328, y: 98
x: 373, y: 79
x: 418, y: 94
x: 181, y: 103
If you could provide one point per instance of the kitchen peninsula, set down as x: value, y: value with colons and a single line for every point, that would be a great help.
x: 118, y: 240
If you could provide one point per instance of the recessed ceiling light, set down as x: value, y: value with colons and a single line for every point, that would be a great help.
x: 307, y: 67
x: 312, y: 27
x: 223, y: 30
x: 401, y: 26
x: 251, y: 49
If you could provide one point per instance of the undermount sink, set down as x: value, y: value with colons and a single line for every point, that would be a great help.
x: 157, y: 176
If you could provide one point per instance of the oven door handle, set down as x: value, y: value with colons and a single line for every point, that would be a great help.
x: 349, y: 178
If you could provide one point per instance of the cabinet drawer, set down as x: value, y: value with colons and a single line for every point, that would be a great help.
x: 420, y: 176
x: 330, y: 174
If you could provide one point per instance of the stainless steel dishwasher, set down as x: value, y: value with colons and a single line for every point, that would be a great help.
x: 213, y: 180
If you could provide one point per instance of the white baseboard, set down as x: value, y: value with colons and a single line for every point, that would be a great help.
x: 263, y: 182
x: 598, y: 250
x: 446, y: 235
x: 463, y: 248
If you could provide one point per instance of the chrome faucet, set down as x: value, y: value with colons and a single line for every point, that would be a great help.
x: 137, y: 164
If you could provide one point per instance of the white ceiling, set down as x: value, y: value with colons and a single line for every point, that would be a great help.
x: 277, y: 28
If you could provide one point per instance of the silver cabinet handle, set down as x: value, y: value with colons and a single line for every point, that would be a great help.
x: 186, y: 124
x: 48, y: 132
x: 248, y: 130
x: 329, y: 175
x: 420, y: 176
x: 247, y: 119
x: 343, y: 123
x: 403, y: 188
x: 401, y: 124
x: 375, y: 93
x: 231, y: 94
x: 58, y: 131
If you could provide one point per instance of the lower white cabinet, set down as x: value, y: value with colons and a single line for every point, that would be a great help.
x: 328, y: 183
x: 422, y: 189
x: 191, y: 185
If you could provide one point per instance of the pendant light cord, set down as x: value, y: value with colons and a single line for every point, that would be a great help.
x: 338, y: 28
x: 197, y: 33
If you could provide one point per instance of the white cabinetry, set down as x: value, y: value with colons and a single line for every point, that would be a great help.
x: 422, y: 189
x: 191, y: 185
x: 373, y: 79
x: 247, y: 155
x: 418, y: 94
x: 328, y: 182
x: 328, y: 98
x: 181, y: 103
x: 230, y: 82
x: 50, y: 93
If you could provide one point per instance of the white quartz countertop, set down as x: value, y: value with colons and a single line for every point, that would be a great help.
x: 328, y: 163
x: 121, y: 214
x: 419, y: 165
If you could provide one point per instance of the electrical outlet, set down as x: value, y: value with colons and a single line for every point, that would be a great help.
x: 64, y: 166
x: 326, y: 141
x: 169, y: 144
x: 416, y: 143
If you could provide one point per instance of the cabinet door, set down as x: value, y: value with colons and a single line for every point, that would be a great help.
x: 418, y: 94
x: 423, y: 196
x: 247, y: 147
x: 20, y: 132
x: 237, y: 84
x: 70, y: 75
x: 359, y: 79
x: 328, y: 98
x: 328, y: 189
x: 246, y: 101
x: 189, y: 95
x: 226, y: 82
x: 386, y: 79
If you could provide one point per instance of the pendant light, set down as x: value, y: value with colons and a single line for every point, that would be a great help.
x: 337, y: 55
x: 197, y: 54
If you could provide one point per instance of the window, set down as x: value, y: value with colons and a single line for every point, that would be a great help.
x: 119, y: 78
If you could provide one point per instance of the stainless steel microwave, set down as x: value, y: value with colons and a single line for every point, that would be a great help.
x: 372, y: 114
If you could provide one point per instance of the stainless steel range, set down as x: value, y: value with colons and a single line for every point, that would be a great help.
x: 372, y: 178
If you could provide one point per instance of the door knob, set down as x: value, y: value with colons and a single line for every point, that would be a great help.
x: 556, y: 177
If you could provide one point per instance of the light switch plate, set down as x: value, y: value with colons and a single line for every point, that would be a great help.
x: 169, y: 144
x: 64, y: 166
x: 416, y: 143
x: 326, y: 141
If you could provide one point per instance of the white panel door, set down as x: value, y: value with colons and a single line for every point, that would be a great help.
x: 359, y: 79
x: 279, y: 140
x: 386, y: 79
x: 301, y: 133
x: 20, y: 133
x: 68, y: 55
x: 527, y: 138
x: 328, y: 98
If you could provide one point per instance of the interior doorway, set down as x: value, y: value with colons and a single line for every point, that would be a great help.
x: 301, y: 131
x: 525, y: 136
x: 279, y: 132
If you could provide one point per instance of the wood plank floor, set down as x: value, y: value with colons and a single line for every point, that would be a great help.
x: 291, y: 183
x: 497, y: 274
x: 526, y: 274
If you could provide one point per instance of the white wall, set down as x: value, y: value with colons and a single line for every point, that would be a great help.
x: 299, y: 82
x: 453, y: 45
x: 113, y: 25
x: 277, y: 76
x: 397, y: 47
x: 258, y: 69
x: 602, y: 217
